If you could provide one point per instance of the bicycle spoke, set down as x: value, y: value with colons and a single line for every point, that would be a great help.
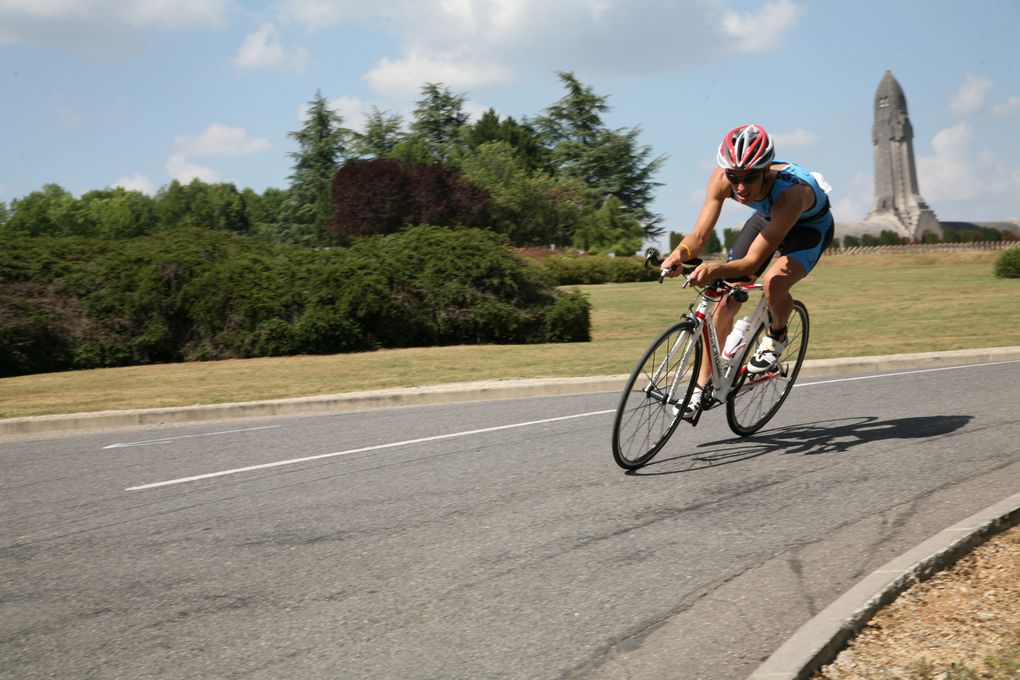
x: 656, y: 392
x: 757, y: 399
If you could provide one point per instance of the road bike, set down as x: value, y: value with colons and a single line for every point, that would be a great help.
x: 658, y: 391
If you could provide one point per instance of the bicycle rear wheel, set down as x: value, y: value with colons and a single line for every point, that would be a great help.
x: 755, y: 400
x: 655, y: 396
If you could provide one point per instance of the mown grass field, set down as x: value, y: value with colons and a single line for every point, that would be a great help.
x: 859, y: 305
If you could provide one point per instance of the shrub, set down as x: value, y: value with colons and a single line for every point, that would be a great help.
x: 469, y: 286
x: 382, y: 195
x: 569, y: 319
x: 1007, y: 266
x: 572, y: 270
x: 192, y: 294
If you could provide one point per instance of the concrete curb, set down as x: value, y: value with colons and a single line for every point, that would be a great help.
x: 450, y: 393
x: 819, y: 640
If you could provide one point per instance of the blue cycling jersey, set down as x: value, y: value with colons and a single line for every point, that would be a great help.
x: 816, y: 216
x: 809, y: 235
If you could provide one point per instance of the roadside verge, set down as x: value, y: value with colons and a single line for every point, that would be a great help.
x: 818, y: 641
x: 451, y: 393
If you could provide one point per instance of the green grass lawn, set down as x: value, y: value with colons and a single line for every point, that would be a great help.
x: 859, y: 305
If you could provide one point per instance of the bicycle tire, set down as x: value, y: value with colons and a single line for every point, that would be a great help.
x: 753, y: 402
x: 646, y: 416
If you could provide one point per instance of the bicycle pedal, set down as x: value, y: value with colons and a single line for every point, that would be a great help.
x: 693, y: 420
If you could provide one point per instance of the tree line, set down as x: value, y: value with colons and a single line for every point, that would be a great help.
x: 563, y: 178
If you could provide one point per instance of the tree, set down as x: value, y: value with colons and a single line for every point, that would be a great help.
x: 382, y: 134
x: 48, y: 212
x: 713, y: 245
x: 322, y: 145
x: 438, y: 117
x: 197, y: 204
x: 382, y: 195
x: 521, y: 136
x: 576, y: 119
x: 609, y: 162
x: 675, y: 238
x: 618, y: 165
x: 116, y: 213
x: 889, y: 238
x: 990, y: 234
x: 730, y: 237
x: 530, y: 208
x: 267, y: 213
x: 610, y: 230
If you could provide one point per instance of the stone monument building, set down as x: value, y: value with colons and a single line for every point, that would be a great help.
x: 898, y: 206
x: 896, y: 192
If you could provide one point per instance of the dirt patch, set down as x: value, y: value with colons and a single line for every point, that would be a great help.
x: 962, y: 623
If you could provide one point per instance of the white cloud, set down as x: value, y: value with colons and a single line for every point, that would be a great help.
x: 101, y: 28
x: 1010, y: 107
x: 956, y: 172
x: 183, y: 170
x: 316, y: 14
x: 351, y: 109
x: 404, y: 76
x: 855, y: 203
x: 221, y: 140
x: 215, y: 140
x: 473, y: 43
x: 262, y: 50
x: 795, y: 139
x: 767, y: 30
x: 969, y: 99
x: 474, y: 110
x: 136, y: 182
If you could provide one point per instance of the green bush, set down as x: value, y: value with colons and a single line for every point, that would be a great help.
x: 467, y: 285
x: 573, y: 270
x: 191, y: 294
x: 1007, y: 266
x: 569, y: 320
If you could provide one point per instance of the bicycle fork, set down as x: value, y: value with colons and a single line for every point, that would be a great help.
x: 669, y: 397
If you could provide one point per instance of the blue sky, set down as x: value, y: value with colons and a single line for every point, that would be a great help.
x: 137, y: 93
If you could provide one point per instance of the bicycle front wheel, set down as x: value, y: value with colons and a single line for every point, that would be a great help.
x: 754, y: 400
x: 656, y: 394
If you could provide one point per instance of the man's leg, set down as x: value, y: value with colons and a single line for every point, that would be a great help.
x: 778, y: 281
x: 722, y: 317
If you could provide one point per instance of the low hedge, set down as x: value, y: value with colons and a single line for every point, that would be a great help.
x: 1007, y: 265
x: 191, y: 294
x: 574, y: 270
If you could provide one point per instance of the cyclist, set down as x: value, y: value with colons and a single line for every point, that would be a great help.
x: 791, y: 216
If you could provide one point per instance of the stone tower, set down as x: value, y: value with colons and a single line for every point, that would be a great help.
x: 898, y: 201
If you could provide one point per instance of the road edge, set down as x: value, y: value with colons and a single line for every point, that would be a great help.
x: 817, y: 642
x: 451, y: 393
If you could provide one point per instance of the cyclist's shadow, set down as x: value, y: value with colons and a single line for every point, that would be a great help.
x: 811, y: 439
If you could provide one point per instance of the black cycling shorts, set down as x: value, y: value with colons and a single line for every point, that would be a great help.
x: 803, y: 243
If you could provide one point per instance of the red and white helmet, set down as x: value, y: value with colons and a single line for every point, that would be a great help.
x: 747, y: 147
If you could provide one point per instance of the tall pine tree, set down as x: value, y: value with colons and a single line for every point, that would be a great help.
x: 322, y: 146
x: 609, y: 162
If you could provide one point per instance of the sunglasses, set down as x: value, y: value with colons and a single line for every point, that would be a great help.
x: 746, y: 178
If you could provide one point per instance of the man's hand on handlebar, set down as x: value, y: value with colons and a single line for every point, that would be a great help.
x: 704, y: 274
x: 674, y: 265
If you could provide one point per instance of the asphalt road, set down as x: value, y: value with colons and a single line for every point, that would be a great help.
x: 480, y: 540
